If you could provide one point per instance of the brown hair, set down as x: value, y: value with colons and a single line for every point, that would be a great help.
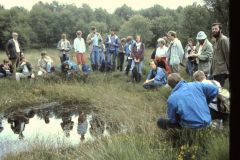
x: 199, y: 76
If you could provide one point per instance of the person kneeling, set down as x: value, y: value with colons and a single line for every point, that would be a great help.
x: 156, y: 77
x: 187, y: 106
x: 24, y: 70
x: 45, y: 64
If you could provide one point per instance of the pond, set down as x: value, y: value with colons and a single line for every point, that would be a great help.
x: 52, y: 122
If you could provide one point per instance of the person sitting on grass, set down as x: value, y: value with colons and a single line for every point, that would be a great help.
x: 6, y: 69
x: 45, y: 64
x: 156, y: 77
x: 69, y: 68
x: 200, y: 76
x: 24, y: 70
x: 187, y: 106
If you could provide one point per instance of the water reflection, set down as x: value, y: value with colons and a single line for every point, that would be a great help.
x: 56, y: 123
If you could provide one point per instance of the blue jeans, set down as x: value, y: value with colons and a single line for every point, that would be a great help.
x: 138, y: 66
x: 95, y: 56
x: 49, y: 66
x: 101, y: 57
x: 166, y: 124
x: 151, y: 85
x: 111, y: 59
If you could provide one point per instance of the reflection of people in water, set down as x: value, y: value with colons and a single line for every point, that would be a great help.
x: 18, y: 121
x: 97, y: 126
x: 67, y: 123
x: 45, y: 114
x: 82, y: 125
x: 1, y: 118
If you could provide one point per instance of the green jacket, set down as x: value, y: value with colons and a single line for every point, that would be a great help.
x: 205, y: 58
x: 29, y: 66
x: 220, y: 63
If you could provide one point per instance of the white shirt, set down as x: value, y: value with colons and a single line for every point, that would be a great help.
x: 138, y: 45
x: 79, y: 45
x: 16, y: 45
x: 161, y: 52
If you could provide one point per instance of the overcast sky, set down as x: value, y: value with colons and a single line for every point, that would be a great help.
x: 109, y: 5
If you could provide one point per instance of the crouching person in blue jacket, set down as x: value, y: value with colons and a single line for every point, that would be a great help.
x: 187, y: 106
x: 156, y: 77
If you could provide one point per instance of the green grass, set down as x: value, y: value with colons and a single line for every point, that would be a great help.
x: 120, y: 103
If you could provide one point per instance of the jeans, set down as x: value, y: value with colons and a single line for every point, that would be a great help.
x: 151, y: 85
x: 129, y: 63
x: 111, y: 59
x: 95, y: 56
x: 120, y: 60
x: 138, y: 66
x: 166, y: 124
x: 64, y: 56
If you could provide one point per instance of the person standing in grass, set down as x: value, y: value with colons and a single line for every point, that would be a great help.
x: 156, y: 77
x: 14, y: 52
x: 80, y: 49
x: 175, y: 52
x: 121, y: 54
x: 187, y: 106
x: 93, y: 43
x: 128, y: 51
x: 112, y: 45
x: 64, y: 47
x: 138, y: 50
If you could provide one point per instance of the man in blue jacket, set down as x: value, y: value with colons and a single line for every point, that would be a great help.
x: 187, y: 106
x: 156, y: 77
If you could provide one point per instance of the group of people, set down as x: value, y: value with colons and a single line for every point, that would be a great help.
x: 206, y: 58
x: 194, y: 104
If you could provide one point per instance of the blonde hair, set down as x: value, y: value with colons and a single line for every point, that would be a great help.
x: 199, y: 76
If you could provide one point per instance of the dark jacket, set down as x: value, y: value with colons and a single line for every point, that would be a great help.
x: 220, y: 63
x: 11, y: 49
x: 2, y: 70
x: 138, y: 54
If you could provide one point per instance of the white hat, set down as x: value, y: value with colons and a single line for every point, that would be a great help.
x: 201, y: 35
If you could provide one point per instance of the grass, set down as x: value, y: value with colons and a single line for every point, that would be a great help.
x: 118, y: 102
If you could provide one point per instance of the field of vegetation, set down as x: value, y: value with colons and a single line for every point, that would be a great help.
x: 121, y: 102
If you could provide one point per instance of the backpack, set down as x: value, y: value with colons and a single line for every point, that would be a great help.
x: 223, y: 100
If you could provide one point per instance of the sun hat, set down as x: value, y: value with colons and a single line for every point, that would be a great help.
x: 201, y: 35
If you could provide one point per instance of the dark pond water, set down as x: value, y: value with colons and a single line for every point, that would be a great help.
x: 51, y: 122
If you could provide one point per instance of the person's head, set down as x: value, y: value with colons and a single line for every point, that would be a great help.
x: 5, y: 61
x: 199, y: 76
x: 171, y: 35
x: 173, y: 79
x: 161, y: 42
x: 43, y: 54
x: 190, y: 42
x: 153, y: 65
x: 112, y: 31
x: 129, y: 38
x: 123, y: 40
x: 64, y: 36
x: 138, y: 38
x: 216, y: 29
x: 79, y: 33
x: 93, y: 29
x: 15, y: 35
x: 201, y: 36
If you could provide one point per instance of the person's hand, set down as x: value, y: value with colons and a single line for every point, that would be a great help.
x: 23, y: 63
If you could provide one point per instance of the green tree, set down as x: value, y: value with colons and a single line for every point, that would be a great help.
x: 219, y: 10
x: 124, y: 12
x: 137, y: 25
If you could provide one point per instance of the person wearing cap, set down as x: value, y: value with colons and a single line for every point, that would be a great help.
x: 6, y: 69
x: 203, y: 53
x: 13, y: 51
x: 112, y: 45
x: 175, y: 52
x: 80, y: 49
x: 64, y: 47
x: 220, y: 63
x: 45, y: 63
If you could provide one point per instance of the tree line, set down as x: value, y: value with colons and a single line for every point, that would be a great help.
x: 42, y: 26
